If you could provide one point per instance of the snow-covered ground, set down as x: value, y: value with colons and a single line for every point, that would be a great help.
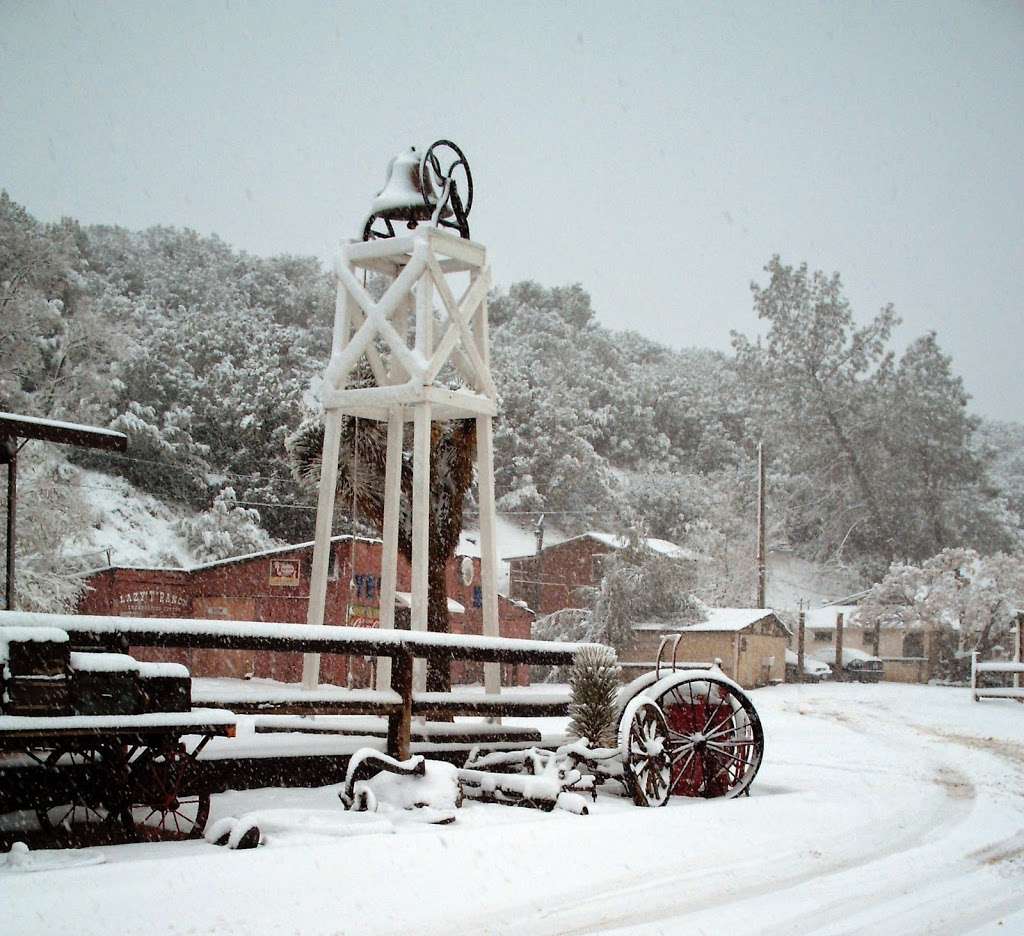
x: 879, y: 809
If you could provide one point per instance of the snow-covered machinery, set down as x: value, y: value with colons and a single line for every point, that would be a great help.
x: 687, y: 732
x: 681, y: 731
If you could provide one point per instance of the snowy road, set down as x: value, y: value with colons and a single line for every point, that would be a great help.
x: 895, y: 809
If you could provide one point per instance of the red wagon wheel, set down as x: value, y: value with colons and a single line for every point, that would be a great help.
x: 165, y: 804
x: 715, y: 740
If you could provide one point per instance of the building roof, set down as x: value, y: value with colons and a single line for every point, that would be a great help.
x: 65, y: 433
x: 613, y: 541
x: 825, y: 618
x: 404, y: 600
x: 719, y: 620
x: 245, y: 557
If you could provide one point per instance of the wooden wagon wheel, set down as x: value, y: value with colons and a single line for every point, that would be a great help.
x: 643, y: 744
x: 91, y: 807
x: 715, y: 739
x: 165, y: 804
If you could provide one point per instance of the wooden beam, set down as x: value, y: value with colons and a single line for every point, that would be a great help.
x: 420, y: 528
x: 15, y: 426
x: 400, y: 724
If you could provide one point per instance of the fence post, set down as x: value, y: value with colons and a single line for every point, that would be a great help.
x: 974, y: 675
x: 838, y: 675
x: 1017, y: 649
x: 400, y: 725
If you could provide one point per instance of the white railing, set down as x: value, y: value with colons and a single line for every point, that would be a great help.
x: 979, y: 692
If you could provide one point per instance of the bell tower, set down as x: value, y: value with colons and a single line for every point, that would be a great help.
x: 425, y: 341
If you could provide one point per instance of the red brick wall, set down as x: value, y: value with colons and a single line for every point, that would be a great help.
x: 242, y: 589
x: 552, y: 580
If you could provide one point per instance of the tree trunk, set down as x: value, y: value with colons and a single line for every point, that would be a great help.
x: 439, y: 672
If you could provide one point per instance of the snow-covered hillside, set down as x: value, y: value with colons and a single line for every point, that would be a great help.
x: 137, y: 528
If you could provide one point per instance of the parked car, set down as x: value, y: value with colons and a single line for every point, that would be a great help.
x: 814, y: 670
x: 857, y: 665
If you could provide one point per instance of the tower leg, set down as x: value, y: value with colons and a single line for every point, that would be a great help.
x: 389, y: 552
x: 488, y: 544
x: 420, y: 531
x: 322, y: 540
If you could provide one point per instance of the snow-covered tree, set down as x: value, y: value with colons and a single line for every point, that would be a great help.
x: 640, y: 585
x: 52, y: 520
x: 878, y: 450
x: 968, y: 600
x: 226, y: 529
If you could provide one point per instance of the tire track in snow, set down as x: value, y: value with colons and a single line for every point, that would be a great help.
x: 578, y: 914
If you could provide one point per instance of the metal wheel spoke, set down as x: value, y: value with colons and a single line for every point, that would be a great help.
x: 682, y: 772
x: 714, y: 715
x: 732, y: 757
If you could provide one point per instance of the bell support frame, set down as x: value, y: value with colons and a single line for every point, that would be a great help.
x: 408, y: 337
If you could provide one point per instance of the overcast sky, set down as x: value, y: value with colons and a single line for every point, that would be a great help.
x: 656, y: 153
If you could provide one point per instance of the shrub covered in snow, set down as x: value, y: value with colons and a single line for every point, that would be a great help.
x: 594, y: 680
x: 226, y: 529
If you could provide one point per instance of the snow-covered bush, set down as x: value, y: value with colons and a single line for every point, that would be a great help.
x: 594, y: 681
x: 226, y: 529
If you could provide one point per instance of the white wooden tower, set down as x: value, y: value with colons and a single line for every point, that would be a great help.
x: 408, y: 337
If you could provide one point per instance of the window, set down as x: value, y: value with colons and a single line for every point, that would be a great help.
x: 913, y: 644
x: 823, y: 636
x: 478, y: 596
x: 367, y: 586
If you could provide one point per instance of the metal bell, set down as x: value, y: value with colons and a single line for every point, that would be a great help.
x: 403, y: 197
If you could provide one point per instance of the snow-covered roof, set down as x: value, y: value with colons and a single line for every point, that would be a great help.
x: 613, y: 541
x: 718, y: 620
x: 825, y: 618
x: 274, y: 551
x: 53, y: 429
x: 404, y: 600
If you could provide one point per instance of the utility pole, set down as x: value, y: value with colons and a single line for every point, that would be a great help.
x: 760, y: 602
x: 800, y: 644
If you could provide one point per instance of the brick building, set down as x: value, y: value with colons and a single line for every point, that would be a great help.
x: 274, y: 586
x: 553, y: 578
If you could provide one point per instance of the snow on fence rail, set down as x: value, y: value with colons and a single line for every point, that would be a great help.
x: 398, y: 704
x: 979, y: 692
x: 302, y: 638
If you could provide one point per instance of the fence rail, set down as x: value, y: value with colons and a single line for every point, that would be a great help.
x: 1004, y: 667
x: 401, y: 646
